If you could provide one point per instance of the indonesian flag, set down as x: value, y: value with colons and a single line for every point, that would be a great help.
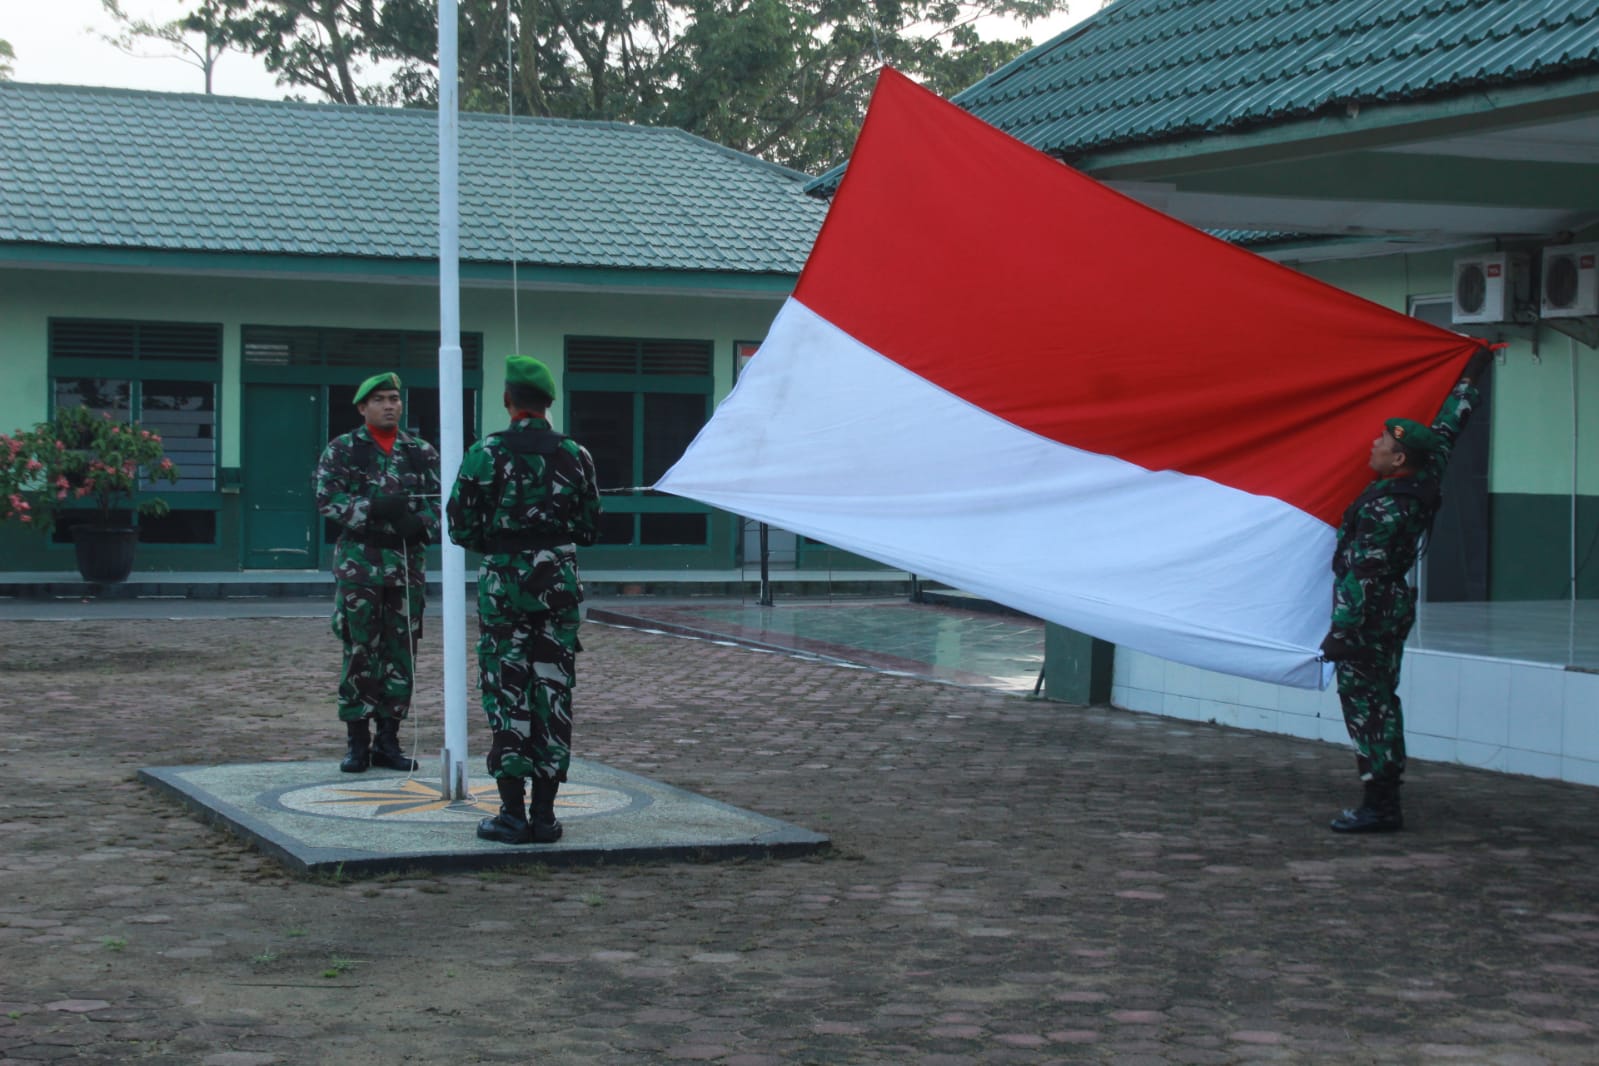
x: 999, y: 374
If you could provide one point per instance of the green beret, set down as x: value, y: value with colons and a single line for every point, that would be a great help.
x: 377, y: 381
x: 1412, y: 436
x: 529, y: 372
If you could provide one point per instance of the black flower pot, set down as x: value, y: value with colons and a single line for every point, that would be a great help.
x: 105, y: 553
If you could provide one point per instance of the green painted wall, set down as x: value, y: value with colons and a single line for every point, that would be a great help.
x: 1546, y: 386
x: 1545, y: 442
x: 29, y: 298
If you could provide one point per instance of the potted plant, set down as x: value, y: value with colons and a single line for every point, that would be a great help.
x: 84, y: 455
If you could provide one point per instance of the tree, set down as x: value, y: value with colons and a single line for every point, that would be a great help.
x: 197, y: 38
x: 6, y: 56
x: 784, y: 80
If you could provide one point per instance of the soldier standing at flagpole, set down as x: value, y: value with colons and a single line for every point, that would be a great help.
x: 380, y: 485
x: 526, y: 498
x: 1379, y: 539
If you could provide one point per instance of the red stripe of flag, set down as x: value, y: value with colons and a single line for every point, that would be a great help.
x: 1068, y: 309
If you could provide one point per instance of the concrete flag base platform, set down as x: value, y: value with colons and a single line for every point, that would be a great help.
x: 318, y: 821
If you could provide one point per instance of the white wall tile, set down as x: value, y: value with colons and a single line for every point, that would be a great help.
x: 1514, y: 718
x: 1580, y: 733
x: 1430, y: 684
x: 1242, y: 717
x: 1306, y: 700
x: 1533, y: 763
x: 1142, y: 671
x: 1485, y: 701
x: 1427, y: 713
x: 1137, y: 699
x: 1183, y: 679
x: 1184, y: 707
x: 1537, y: 708
x: 1436, y: 749
x: 1220, y: 687
x: 1482, y: 756
x: 1580, y: 771
x: 1257, y: 694
x: 1303, y: 726
x: 1333, y: 730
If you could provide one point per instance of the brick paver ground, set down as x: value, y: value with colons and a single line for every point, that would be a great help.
x: 1012, y: 882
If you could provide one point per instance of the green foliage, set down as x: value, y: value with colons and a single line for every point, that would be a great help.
x: 784, y: 79
x: 6, y: 56
x: 197, y: 39
x: 79, y: 454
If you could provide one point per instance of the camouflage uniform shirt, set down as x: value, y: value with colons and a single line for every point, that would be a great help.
x: 353, y: 469
x: 554, y: 498
x: 1381, y: 534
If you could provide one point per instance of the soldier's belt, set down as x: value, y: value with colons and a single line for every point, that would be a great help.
x: 507, y: 543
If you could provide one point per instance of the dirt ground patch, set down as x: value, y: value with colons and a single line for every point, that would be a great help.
x: 1012, y: 881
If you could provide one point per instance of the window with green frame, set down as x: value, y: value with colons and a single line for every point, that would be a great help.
x: 338, y: 357
x: 164, y: 375
x: 636, y: 404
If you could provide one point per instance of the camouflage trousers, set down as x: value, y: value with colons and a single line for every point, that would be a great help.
x: 379, y: 648
x: 1368, y: 689
x: 528, y: 617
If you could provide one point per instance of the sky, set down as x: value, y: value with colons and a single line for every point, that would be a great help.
x: 58, y: 41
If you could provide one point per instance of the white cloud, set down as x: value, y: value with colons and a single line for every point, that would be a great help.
x: 56, y: 42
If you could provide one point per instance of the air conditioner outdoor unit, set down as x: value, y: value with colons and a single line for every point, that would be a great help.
x: 1488, y: 286
x: 1570, y: 281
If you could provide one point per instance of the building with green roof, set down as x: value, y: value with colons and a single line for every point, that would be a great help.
x: 226, y: 270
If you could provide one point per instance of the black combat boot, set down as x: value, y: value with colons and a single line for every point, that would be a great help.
x: 510, y: 826
x: 546, y: 830
x: 386, y: 748
x: 1379, y: 811
x: 358, y: 756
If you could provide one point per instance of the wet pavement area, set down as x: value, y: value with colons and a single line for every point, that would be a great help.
x: 965, y: 646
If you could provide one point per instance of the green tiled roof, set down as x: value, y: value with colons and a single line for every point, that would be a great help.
x: 110, y: 168
x: 1147, y: 70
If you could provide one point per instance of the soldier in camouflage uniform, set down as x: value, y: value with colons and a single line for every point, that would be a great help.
x: 1374, y: 606
x: 380, y: 485
x: 525, y: 499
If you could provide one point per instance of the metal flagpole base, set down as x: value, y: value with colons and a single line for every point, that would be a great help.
x: 452, y: 776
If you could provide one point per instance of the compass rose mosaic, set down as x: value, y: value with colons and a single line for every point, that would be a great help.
x: 415, y: 800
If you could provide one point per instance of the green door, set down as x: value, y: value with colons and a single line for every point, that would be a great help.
x: 282, y: 440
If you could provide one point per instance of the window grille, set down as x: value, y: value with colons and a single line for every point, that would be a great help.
x: 88, y: 338
x: 367, y: 349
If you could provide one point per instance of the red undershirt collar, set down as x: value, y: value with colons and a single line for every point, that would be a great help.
x: 384, y: 437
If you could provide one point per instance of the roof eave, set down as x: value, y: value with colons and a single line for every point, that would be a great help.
x: 362, y: 270
x: 1355, y: 125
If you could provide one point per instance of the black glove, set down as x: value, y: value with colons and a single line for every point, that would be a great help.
x: 1479, y: 361
x: 410, y: 527
x: 388, y: 508
x: 1336, y: 649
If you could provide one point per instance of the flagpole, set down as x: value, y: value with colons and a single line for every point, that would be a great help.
x: 452, y: 760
